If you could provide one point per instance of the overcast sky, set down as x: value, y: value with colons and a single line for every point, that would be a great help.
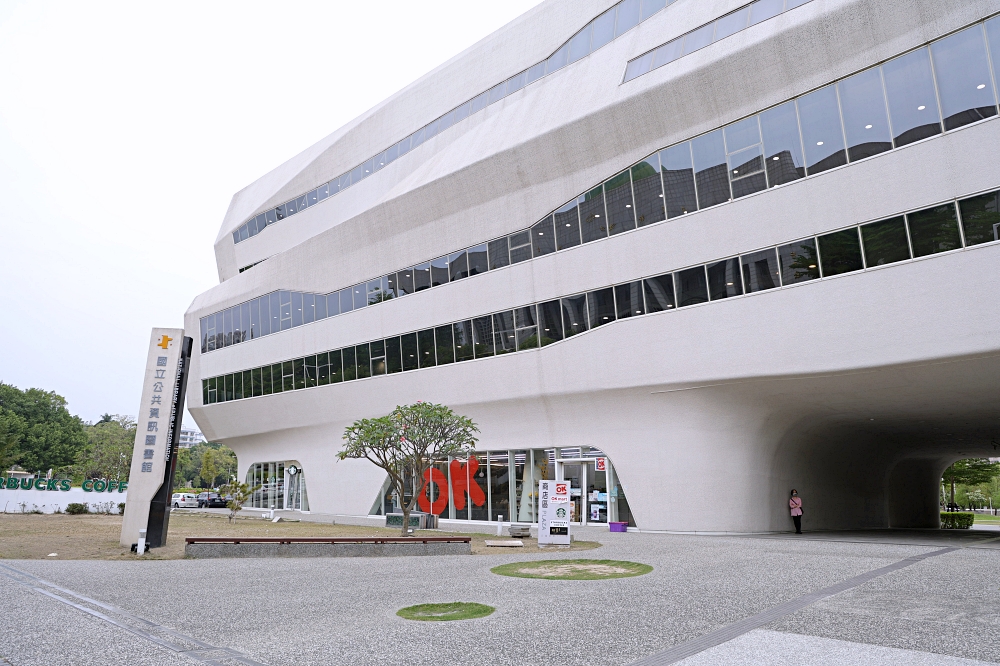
x: 125, y: 129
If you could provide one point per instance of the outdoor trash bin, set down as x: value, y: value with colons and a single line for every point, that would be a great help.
x: 618, y: 527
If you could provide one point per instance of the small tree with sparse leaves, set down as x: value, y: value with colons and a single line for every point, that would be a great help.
x: 238, y: 494
x: 407, y: 442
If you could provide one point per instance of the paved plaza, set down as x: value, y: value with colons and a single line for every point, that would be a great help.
x: 905, y: 598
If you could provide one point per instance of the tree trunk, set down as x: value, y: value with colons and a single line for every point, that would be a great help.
x: 406, y: 519
x: 952, y: 493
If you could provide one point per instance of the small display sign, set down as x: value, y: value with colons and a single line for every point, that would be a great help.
x: 554, y: 512
x: 601, y: 464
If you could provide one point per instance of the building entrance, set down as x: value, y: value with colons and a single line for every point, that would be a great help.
x: 590, y: 501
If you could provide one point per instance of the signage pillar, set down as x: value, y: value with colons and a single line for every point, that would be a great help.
x: 553, y: 514
x: 158, y: 427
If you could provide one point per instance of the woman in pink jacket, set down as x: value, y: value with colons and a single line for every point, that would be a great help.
x: 795, y: 504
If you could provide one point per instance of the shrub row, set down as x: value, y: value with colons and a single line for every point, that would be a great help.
x: 957, y: 521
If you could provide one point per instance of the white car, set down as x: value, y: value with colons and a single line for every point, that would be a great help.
x: 184, y: 501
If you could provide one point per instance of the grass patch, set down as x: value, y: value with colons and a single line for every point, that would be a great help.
x: 573, y: 569
x: 456, y: 610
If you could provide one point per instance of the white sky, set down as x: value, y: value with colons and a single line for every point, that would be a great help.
x: 125, y: 129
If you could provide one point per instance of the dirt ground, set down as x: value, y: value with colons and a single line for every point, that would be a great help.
x: 95, y: 537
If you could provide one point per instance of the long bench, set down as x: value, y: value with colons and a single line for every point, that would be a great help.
x: 216, y: 547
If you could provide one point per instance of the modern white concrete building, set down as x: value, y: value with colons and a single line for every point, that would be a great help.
x: 687, y: 255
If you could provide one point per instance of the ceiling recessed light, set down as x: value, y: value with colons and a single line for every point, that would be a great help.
x: 736, y: 170
x: 729, y: 284
x: 541, y: 233
x: 921, y: 107
x: 598, y: 215
x: 868, y: 126
x: 661, y: 196
x: 819, y: 143
x: 812, y: 265
x: 567, y: 224
x: 628, y: 205
x: 980, y: 86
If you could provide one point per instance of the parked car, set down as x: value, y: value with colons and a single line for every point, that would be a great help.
x: 184, y: 501
x: 211, y: 501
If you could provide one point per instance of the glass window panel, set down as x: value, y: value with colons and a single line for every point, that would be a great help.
x: 628, y: 300
x: 277, y: 384
x: 709, y: 152
x: 567, y: 224
x: 724, y: 279
x: 579, y: 44
x: 499, y: 253
x: 362, y: 356
x: 699, y: 38
x: 822, y: 133
x: 336, y: 366
x: 503, y: 332
x: 389, y: 285
x: 303, y: 203
x: 746, y: 168
x: 254, y: 319
x: 335, y: 185
x: 228, y: 328
x: 333, y: 304
x: 411, y: 358
x: 628, y: 16
x: 534, y: 73
x: 439, y: 271
x: 792, y: 4
x: 963, y: 78
x: 574, y: 311
x: 601, y: 307
x: 782, y: 145
x: 445, y: 345
x: 237, y: 386
x: 909, y: 87
x: 404, y: 282
x: 934, y: 230
x: 346, y: 299
x: 482, y: 332
x: 760, y: 270
x: 527, y: 338
x: 619, y: 203
x: 275, y: 312
x: 312, y: 198
x: 862, y: 101
x: 637, y: 67
x: 691, y: 286
x: 742, y: 134
x: 432, y: 129
x: 279, y: 212
x: 478, y: 260
x: 648, y: 189
x: 543, y: 239
x: 659, y: 292
x: 299, y: 369
x: 650, y: 7
x: 604, y: 29
x: 271, y: 216
x: 464, y: 349
x: 264, y: 309
x: 524, y: 317
x: 520, y: 246
x: 244, y: 322
x: 350, y: 364
x: 312, y: 371
x: 993, y: 38
x: 557, y: 60
x: 840, y: 252
x: 308, y: 308
x: 496, y: 93
x: 359, y: 294
x: 798, y: 262
x: 458, y: 265
x: 393, y: 355
x: 499, y: 494
x: 765, y: 9
x: 425, y: 347
x: 323, y: 368
x: 592, y: 215
x: 416, y: 139
x: 885, y: 242
x: 265, y: 380
x: 323, y: 191
x: 320, y: 306
x: 480, y: 101
x: 678, y: 179
x: 668, y: 53
x: 247, y: 384
x: 549, y: 323
x: 730, y: 24
x: 288, y: 375
x: 422, y: 277
x: 392, y: 154
x: 463, y: 112
x: 251, y: 227
x: 981, y: 218
x: 378, y: 357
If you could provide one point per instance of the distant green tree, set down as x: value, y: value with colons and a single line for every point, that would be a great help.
x: 208, y: 468
x: 107, y: 418
x: 12, y: 429
x: 970, y: 471
x: 108, y: 454
x: 51, y: 437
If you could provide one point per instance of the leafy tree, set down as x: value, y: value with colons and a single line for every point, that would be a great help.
x: 12, y: 428
x: 970, y: 471
x: 107, y: 418
x: 407, y: 442
x: 208, y: 469
x: 237, y: 494
x: 108, y: 454
x: 190, y: 462
x: 51, y: 437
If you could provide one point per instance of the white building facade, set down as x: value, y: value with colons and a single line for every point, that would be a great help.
x: 687, y: 256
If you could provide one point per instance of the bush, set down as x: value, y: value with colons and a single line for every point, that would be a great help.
x: 76, y: 508
x: 121, y: 508
x: 957, y: 521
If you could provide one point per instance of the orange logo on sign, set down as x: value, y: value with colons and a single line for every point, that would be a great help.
x: 165, y: 342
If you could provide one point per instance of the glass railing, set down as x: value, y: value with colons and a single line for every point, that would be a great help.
x: 602, y: 30
x: 948, y: 226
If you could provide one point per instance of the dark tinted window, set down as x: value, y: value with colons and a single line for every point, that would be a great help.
x: 724, y: 279
x: 648, y: 189
x: 265, y: 380
x: 628, y: 300
x: 277, y: 383
x: 362, y: 357
x: 934, y: 230
x: 691, y: 286
x: 574, y: 311
x: 520, y: 246
x: 499, y: 253
x: 404, y: 282
x: 885, y: 242
x: 378, y: 357
x: 408, y: 344
x: 840, y: 252
x: 336, y: 367
x: 618, y: 200
x: 760, y: 271
x: 963, y: 78
x: 482, y: 336
x: 567, y: 223
x: 445, y: 341
x: 745, y: 156
x: 477, y: 260
x: 458, y: 265
x: 525, y: 325
x: 822, y: 134
x: 782, y: 146
x: 866, y: 123
x: 323, y: 368
x: 439, y: 271
x: 909, y: 87
x: 549, y: 322
x: 593, y: 223
x: 981, y: 218
x: 312, y: 372
x: 425, y: 348
x: 503, y: 332
x: 659, y: 292
x: 422, y: 277
x: 543, y: 238
x: 678, y: 180
x: 798, y: 261
x: 601, y: 307
x: 709, y: 152
x: 462, y: 332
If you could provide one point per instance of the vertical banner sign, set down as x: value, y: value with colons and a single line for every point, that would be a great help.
x: 158, y: 427
x: 553, y: 514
